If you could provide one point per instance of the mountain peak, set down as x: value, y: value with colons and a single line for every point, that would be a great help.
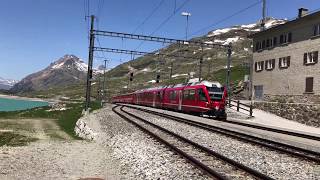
x: 7, y: 83
x: 69, y: 62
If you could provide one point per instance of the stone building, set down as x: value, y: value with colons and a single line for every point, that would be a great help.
x: 285, y: 59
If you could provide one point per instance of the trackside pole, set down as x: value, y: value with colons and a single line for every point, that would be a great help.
x: 90, y: 62
x: 229, y: 51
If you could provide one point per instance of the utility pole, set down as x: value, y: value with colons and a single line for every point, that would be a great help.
x: 104, y: 79
x: 200, y: 64
x: 200, y: 69
x: 171, y: 67
x: 263, y: 15
x: 90, y: 62
x: 229, y: 51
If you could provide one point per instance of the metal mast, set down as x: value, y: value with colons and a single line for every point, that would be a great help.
x: 90, y: 62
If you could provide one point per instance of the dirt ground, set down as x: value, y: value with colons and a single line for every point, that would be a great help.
x: 40, y: 129
x: 39, y: 149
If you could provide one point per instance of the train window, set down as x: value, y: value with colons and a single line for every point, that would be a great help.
x: 185, y: 94
x: 202, y: 95
x: 192, y: 94
x: 172, y: 95
x: 189, y: 94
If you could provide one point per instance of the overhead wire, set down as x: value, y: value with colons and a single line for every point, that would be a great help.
x: 164, y: 22
x: 149, y: 16
x: 226, y: 18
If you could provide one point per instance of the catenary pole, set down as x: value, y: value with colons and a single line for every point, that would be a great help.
x: 90, y: 63
x: 104, y: 79
x: 171, y: 67
x: 200, y: 65
x: 229, y: 51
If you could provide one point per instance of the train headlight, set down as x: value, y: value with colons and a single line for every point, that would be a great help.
x: 217, y: 108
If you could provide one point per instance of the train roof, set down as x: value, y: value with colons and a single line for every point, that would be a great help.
x: 183, y: 85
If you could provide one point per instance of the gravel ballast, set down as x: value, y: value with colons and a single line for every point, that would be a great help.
x: 269, y: 162
x: 139, y: 155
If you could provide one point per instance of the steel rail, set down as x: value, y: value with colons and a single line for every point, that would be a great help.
x: 191, y: 159
x: 286, y: 148
x: 205, y: 149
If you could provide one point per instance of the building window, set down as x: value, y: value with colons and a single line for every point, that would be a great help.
x: 258, y: 46
x: 284, y: 62
x: 259, y: 66
x: 285, y: 38
x: 309, y: 84
x: 310, y: 58
x: 269, y: 43
x: 270, y: 64
x: 263, y: 44
x: 316, y: 30
x: 275, y: 41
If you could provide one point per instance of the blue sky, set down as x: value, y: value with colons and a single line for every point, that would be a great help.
x: 35, y: 33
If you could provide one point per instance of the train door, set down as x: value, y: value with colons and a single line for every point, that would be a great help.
x: 180, y: 99
x: 154, y: 99
x: 202, y: 100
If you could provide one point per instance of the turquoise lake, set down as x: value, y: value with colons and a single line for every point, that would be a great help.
x: 15, y: 105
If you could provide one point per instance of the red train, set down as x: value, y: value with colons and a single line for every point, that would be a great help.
x: 198, y: 97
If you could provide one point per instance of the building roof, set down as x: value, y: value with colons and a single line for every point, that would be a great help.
x: 289, y: 23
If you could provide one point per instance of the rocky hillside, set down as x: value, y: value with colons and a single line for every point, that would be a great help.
x: 66, y: 71
x: 145, y: 68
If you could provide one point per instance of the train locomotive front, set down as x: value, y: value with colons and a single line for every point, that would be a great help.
x: 217, y: 96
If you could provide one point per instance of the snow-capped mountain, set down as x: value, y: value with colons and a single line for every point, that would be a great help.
x: 6, y: 84
x: 220, y: 38
x: 65, y: 71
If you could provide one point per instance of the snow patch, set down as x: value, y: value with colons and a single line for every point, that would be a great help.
x: 228, y: 40
x: 177, y: 75
x: 219, y: 31
x: 152, y: 81
x: 273, y: 22
x: 145, y: 70
x: 249, y: 25
x: 8, y: 82
x: 81, y: 66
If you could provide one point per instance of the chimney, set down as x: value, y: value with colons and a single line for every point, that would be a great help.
x: 302, y: 12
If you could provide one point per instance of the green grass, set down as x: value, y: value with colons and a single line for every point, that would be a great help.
x: 66, y: 119
x: 13, y: 139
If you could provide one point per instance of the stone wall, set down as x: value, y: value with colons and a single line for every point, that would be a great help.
x: 308, y: 114
x: 305, y: 98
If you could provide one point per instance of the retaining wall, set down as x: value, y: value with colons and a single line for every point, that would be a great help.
x: 308, y: 114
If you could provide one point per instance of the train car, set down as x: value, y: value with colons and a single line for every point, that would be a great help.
x: 204, y: 98
x: 126, y: 98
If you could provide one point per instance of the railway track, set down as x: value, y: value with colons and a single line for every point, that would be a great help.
x: 209, y: 161
x: 281, y: 147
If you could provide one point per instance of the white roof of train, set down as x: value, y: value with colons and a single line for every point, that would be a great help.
x: 206, y: 83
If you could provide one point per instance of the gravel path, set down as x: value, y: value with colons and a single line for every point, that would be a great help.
x: 55, y: 160
x: 272, y: 163
x: 140, y: 156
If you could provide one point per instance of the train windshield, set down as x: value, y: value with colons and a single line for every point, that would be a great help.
x: 215, y: 93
